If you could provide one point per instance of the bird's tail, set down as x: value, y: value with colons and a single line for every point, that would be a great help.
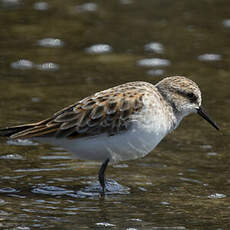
x: 10, y: 131
x: 28, y: 130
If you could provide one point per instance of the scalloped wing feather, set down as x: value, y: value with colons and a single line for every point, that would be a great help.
x: 107, y: 111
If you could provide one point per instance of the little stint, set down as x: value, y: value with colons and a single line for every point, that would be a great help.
x: 121, y: 123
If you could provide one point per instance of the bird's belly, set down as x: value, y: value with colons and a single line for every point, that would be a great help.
x: 131, y: 144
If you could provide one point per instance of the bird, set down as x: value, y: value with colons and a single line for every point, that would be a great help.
x: 121, y: 123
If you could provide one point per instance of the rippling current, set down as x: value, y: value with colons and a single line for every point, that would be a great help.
x: 54, y: 53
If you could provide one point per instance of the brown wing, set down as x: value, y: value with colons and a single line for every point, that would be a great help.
x: 104, y: 112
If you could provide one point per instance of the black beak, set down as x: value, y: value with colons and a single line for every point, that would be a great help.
x: 203, y: 114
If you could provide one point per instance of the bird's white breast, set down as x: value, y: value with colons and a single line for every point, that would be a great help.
x: 132, y: 144
x: 147, y: 130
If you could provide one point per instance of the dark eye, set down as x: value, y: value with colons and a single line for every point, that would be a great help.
x: 192, y: 97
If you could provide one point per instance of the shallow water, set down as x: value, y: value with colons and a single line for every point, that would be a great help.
x: 54, y: 53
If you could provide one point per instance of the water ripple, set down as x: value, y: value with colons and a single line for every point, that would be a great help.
x: 2, y: 202
x: 40, y: 169
x: 48, y: 66
x: 154, y: 47
x: 155, y: 72
x: 50, y: 42
x: 226, y: 23
x: 55, y: 157
x: 12, y: 157
x: 126, y: 2
x: 153, y: 62
x: 99, y: 49
x: 22, y: 142
x: 112, y: 188
x: 105, y: 224
x: 41, y: 6
x: 51, y: 190
x: 22, y: 228
x: 22, y: 64
x: 120, y: 166
x: 7, y: 190
x: 26, y: 65
x: 212, y: 153
x: 209, y: 57
x: 169, y: 228
x: 217, y: 196
x: 87, y: 7
x: 10, y: 3
x: 190, y: 180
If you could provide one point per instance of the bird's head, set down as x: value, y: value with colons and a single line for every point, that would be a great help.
x: 184, y: 96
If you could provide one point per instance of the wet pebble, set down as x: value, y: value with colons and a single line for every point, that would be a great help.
x: 50, y: 42
x: 87, y: 7
x: 153, y: 62
x: 99, y: 49
x: 49, y: 66
x: 209, y: 57
x: 22, y: 64
x: 41, y: 6
x: 154, y: 47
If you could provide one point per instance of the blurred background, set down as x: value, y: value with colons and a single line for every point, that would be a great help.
x: 53, y: 53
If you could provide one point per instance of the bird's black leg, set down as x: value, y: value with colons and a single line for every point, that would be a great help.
x: 101, y: 174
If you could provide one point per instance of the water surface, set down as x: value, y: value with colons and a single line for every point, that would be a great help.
x: 54, y: 53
